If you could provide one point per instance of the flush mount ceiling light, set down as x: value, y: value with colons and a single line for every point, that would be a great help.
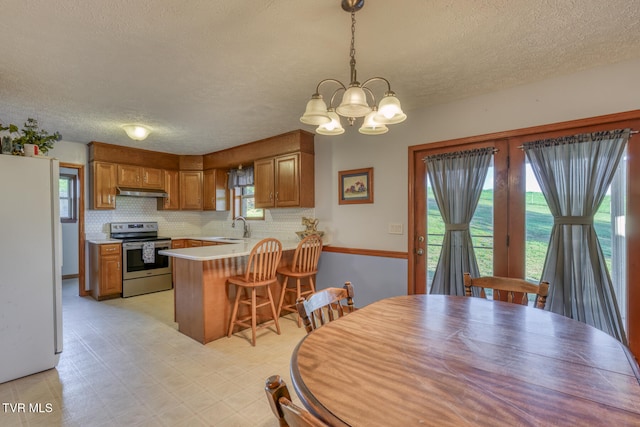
x: 354, y: 99
x: 137, y: 132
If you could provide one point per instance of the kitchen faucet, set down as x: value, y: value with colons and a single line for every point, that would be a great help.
x: 247, y: 229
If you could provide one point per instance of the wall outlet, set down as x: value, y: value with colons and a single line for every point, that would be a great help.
x: 395, y: 228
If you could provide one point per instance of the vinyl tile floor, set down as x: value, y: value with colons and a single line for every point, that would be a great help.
x: 124, y: 363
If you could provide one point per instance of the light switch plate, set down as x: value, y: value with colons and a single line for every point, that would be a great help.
x: 395, y: 228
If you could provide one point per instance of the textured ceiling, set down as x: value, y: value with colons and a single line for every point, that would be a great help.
x: 209, y: 74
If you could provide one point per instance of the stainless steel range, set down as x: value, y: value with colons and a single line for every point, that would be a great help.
x: 145, y: 270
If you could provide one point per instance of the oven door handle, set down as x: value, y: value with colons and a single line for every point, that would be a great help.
x: 138, y: 245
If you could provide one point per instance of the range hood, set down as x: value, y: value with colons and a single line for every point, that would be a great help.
x: 137, y: 192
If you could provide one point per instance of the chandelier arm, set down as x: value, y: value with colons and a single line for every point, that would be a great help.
x: 372, y: 79
x: 334, y: 95
x: 328, y: 80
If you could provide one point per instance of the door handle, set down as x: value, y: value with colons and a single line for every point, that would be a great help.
x: 420, y: 252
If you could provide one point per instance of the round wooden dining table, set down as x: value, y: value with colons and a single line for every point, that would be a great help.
x: 453, y: 361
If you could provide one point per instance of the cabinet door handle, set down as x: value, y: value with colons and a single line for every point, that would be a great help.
x: 276, y: 196
x: 118, y: 265
x: 271, y: 195
x: 109, y: 199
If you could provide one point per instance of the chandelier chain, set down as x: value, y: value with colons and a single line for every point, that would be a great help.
x: 358, y: 99
x: 352, y: 52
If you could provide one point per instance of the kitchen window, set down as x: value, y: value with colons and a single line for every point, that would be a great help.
x: 245, y: 202
x: 68, y: 198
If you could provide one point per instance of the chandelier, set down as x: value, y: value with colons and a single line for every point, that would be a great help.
x: 354, y: 99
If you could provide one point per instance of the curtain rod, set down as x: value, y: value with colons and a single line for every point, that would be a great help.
x: 633, y: 132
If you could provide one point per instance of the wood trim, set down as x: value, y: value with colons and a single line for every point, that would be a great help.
x: 597, y: 121
x: 81, y: 240
x: 633, y: 246
x: 245, y: 154
x: 191, y: 163
x: 366, y: 252
x: 70, y: 276
x: 112, y: 153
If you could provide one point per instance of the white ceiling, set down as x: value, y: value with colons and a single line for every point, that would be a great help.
x: 209, y: 74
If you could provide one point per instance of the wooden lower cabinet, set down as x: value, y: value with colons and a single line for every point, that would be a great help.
x: 192, y: 243
x: 105, y: 267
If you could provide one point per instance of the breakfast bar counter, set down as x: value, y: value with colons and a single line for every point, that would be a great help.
x: 203, y: 299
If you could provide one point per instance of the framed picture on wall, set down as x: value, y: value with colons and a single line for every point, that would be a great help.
x: 355, y: 186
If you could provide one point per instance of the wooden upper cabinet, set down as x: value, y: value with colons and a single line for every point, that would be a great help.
x: 140, y: 177
x: 264, y: 183
x: 191, y: 190
x: 287, y: 178
x: 129, y: 176
x: 153, y: 178
x: 285, y: 181
x: 172, y: 188
x: 215, y: 192
x: 103, y: 185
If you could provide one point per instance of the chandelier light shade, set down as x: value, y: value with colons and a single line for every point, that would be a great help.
x: 316, y: 112
x: 354, y: 103
x: 334, y: 127
x: 358, y: 100
x: 371, y: 126
x: 137, y: 132
x: 389, y: 110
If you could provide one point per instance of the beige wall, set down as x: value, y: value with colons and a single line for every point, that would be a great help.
x: 599, y: 91
x: 595, y: 92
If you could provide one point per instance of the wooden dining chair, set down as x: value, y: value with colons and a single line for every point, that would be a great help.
x: 288, y: 413
x: 508, y: 289
x: 303, y: 266
x: 260, y: 273
x: 325, y: 306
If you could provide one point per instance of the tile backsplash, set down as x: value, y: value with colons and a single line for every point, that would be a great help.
x: 282, y: 223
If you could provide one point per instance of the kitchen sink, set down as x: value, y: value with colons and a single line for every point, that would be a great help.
x: 227, y: 239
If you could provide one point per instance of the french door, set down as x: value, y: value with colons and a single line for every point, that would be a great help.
x: 490, y: 240
x: 513, y: 221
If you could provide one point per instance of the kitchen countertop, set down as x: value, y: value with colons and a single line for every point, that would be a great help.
x: 107, y: 240
x: 104, y: 241
x: 231, y: 249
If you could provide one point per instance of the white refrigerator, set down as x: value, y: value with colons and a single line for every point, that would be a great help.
x: 30, y: 266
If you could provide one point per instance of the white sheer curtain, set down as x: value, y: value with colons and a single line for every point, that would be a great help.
x: 574, y: 174
x: 457, y: 179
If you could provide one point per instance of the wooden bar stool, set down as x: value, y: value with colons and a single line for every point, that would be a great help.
x: 260, y: 273
x: 304, y: 265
